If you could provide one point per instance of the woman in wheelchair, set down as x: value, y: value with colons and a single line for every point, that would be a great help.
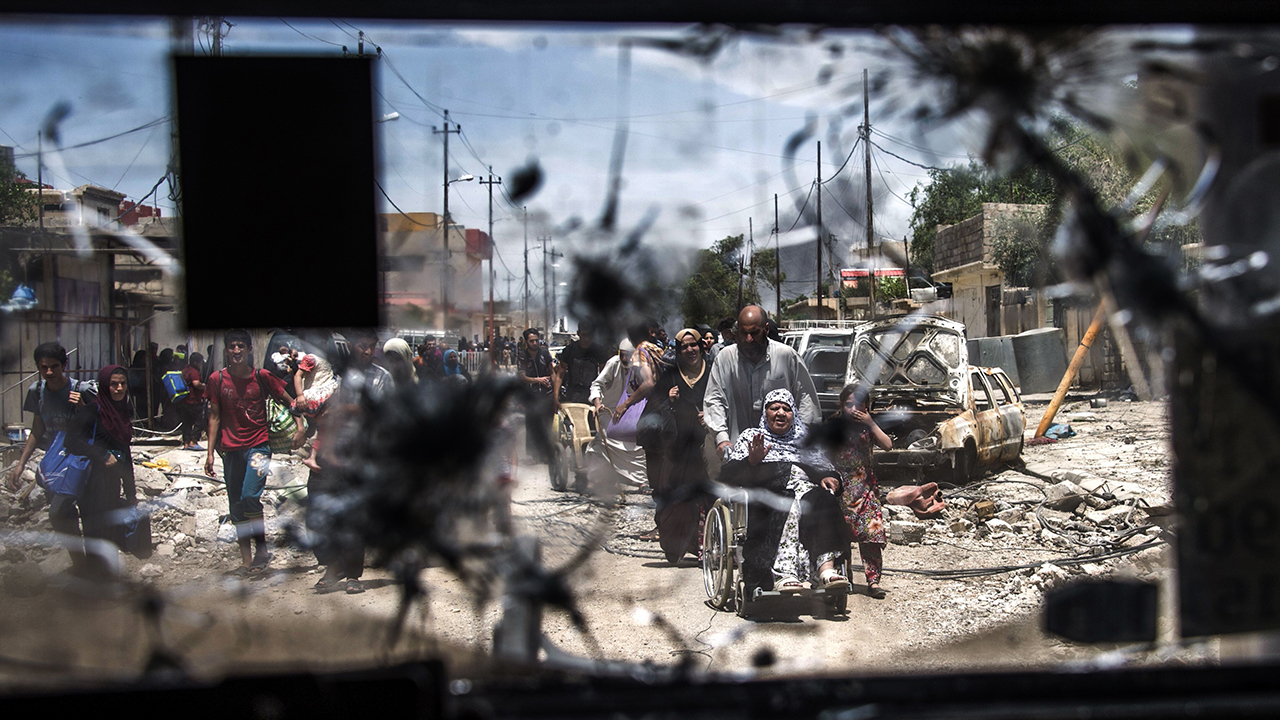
x: 795, y: 529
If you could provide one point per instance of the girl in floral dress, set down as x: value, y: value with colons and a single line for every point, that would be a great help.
x: 860, y: 498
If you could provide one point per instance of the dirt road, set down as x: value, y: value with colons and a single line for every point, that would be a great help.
x: 636, y: 606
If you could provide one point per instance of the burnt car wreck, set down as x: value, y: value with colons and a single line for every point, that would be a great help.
x: 947, y: 419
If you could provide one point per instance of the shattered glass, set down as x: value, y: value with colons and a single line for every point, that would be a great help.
x: 486, y: 539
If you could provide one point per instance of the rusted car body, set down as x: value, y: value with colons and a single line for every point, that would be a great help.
x: 947, y: 419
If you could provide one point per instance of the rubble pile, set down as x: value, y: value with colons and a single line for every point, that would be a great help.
x: 188, y: 520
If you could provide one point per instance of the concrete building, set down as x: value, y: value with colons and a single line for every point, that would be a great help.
x: 85, y: 206
x: 413, y: 250
x: 979, y: 297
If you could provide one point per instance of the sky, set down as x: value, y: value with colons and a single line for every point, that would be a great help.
x: 706, y: 145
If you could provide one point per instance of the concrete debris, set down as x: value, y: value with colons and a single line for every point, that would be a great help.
x: 164, y: 549
x: 206, y: 522
x: 181, y: 540
x: 900, y: 512
x: 56, y: 562
x: 960, y: 526
x: 1049, y: 576
x: 149, y: 480
x: 1065, y: 495
x: 1012, y: 516
x: 905, y: 532
x: 24, y: 579
x: 1091, y: 569
x: 150, y: 570
x: 1117, y: 516
x: 999, y: 528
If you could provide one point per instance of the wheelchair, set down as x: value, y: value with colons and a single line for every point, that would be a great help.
x: 723, y: 538
x: 573, y: 430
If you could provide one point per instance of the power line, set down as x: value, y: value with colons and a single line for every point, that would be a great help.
x: 909, y: 162
x: 749, y: 207
x: 802, y: 207
x: 919, y: 148
x: 885, y: 180
x: 397, y: 207
x: 140, y: 128
x: 311, y: 37
x: 136, y: 155
x: 846, y: 161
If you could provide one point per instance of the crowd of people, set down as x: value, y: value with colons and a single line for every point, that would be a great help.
x: 736, y: 407
x: 731, y: 404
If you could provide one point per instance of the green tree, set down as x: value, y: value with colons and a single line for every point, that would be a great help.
x: 711, y: 290
x: 1020, y: 243
x: 17, y: 206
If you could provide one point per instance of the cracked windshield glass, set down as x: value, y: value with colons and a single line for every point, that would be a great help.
x: 698, y: 349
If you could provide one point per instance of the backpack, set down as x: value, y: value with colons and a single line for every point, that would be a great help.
x: 175, y: 386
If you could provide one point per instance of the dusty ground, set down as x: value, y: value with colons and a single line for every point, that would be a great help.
x: 54, y: 628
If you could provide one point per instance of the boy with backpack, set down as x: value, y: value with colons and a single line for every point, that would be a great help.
x: 53, y: 399
x: 238, y: 429
x: 191, y: 407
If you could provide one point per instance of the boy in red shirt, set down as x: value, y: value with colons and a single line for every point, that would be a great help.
x: 238, y: 430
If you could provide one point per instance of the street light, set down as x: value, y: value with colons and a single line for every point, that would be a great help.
x: 389, y: 117
x: 444, y: 265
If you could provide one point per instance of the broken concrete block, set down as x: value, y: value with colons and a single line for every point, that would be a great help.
x: 150, y: 570
x: 180, y: 539
x: 187, y: 525
x: 1064, y: 495
x: 905, y: 532
x: 165, y: 549
x: 960, y: 526
x: 55, y: 563
x: 1012, y: 515
x: 900, y: 512
x: 1049, y: 576
x: 24, y: 580
x: 1117, y: 515
x: 1091, y: 569
x: 999, y: 527
x: 206, y: 524
x: 149, y: 480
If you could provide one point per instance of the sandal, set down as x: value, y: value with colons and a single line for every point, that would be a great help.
x: 354, y: 587
x: 328, y: 580
x: 788, y: 585
x: 876, y: 592
x: 832, y: 579
x: 651, y: 536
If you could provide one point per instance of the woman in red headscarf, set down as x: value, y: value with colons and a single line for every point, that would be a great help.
x: 101, y: 431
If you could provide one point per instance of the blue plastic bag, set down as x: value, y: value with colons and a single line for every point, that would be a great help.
x: 62, y: 473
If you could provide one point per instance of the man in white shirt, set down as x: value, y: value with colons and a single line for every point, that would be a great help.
x: 745, y: 372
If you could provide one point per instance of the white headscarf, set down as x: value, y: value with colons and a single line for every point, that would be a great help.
x: 786, y: 448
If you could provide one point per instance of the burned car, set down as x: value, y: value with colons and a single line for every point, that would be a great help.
x: 946, y: 418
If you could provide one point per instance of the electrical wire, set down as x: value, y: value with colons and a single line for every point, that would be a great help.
x: 136, y: 155
x: 846, y: 161
x: 918, y: 148
x: 397, y: 207
x: 311, y: 37
x: 963, y: 573
x: 909, y: 162
x: 886, y: 182
x: 140, y: 128
x: 756, y: 205
x: 803, y: 206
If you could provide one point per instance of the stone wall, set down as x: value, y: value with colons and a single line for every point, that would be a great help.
x: 969, y: 241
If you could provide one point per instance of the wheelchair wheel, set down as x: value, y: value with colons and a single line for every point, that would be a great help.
x: 839, y: 602
x: 717, y: 558
x: 558, y: 467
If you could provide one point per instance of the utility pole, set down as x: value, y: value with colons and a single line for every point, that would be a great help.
x: 548, y: 257
x: 818, y: 188
x: 777, y: 258
x: 740, y: 273
x: 40, y: 176
x: 493, y: 357
x: 751, y: 254
x: 866, y: 147
x: 526, y: 266
x: 444, y: 222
